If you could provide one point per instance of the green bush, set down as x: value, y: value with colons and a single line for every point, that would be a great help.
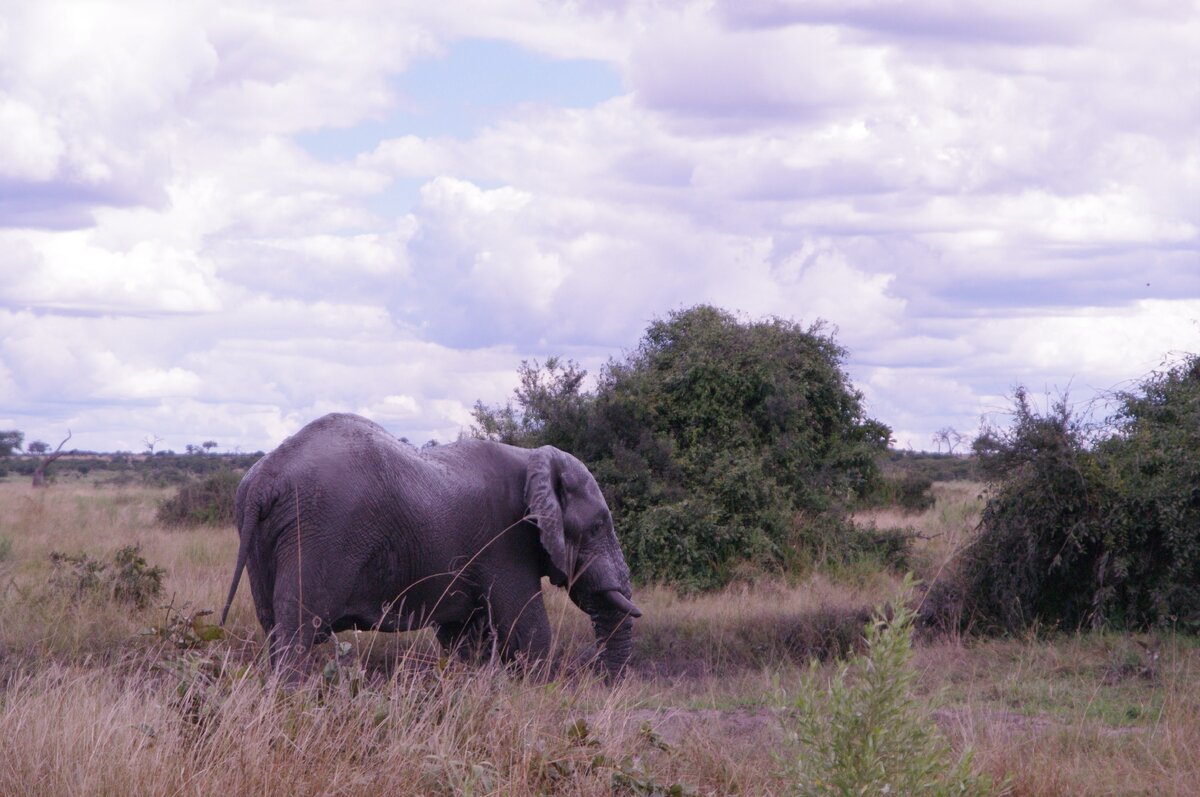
x: 867, y: 732
x: 708, y: 440
x: 1092, y: 525
x: 910, y: 492
x: 169, y: 476
x: 132, y: 579
x: 931, y: 466
x: 129, y: 578
x: 208, y: 501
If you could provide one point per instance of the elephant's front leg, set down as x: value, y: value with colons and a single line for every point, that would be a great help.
x: 521, y: 625
x: 472, y: 640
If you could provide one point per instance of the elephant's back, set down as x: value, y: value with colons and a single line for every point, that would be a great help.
x: 338, y: 458
x: 339, y: 447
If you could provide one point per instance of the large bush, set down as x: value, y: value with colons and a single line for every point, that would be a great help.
x: 1090, y: 526
x: 710, y: 439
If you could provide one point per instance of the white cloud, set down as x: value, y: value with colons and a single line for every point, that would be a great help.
x: 975, y: 196
x: 34, y: 145
x: 66, y: 270
x: 689, y: 64
x: 1102, y: 343
x: 117, y: 380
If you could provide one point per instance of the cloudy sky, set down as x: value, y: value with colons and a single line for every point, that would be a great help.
x: 221, y: 220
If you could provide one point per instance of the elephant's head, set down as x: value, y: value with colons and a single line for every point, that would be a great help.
x: 581, y: 547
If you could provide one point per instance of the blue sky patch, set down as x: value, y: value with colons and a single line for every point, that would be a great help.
x: 475, y: 83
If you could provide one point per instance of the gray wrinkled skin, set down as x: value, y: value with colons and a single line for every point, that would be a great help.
x: 343, y: 526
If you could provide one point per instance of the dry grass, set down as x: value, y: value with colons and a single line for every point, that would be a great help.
x: 87, y: 706
x: 944, y: 529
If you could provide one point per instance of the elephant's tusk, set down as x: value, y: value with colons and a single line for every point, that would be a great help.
x: 622, y: 603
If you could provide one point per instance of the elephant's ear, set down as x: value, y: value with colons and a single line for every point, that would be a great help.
x: 544, y: 504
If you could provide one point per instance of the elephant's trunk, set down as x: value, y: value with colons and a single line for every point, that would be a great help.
x: 603, y: 591
x: 614, y: 640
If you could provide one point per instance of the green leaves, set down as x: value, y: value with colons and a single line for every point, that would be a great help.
x: 1093, y: 524
x: 128, y: 578
x: 184, y: 630
x: 208, y: 501
x: 708, y: 439
x: 866, y: 732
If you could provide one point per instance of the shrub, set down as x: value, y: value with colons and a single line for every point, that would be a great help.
x: 832, y: 540
x: 707, y: 440
x: 164, y: 477
x: 208, y: 501
x: 868, y: 733
x: 128, y: 579
x: 928, y: 465
x: 910, y: 492
x: 1090, y: 525
x: 77, y: 574
x: 132, y: 578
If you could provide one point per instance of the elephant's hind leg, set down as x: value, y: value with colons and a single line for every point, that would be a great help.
x: 297, y: 629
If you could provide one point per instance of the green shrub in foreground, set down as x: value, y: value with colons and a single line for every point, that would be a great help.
x: 129, y: 578
x: 867, y: 733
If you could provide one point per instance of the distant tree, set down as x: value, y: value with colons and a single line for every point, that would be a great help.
x: 950, y: 437
x: 38, y: 447
x: 151, y: 441
x: 431, y: 443
x: 191, y: 448
x: 10, y: 441
x: 39, y: 473
x: 209, y: 445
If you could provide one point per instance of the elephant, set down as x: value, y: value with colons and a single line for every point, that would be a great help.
x: 345, y: 526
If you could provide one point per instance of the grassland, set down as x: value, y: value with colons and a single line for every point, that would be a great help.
x: 92, y: 704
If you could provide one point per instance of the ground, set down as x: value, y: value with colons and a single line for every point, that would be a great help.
x: 99, y: 696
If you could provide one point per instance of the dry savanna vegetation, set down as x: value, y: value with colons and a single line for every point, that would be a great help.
x: 113, y: 681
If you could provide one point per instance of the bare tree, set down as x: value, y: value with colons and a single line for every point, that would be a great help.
x: 39, y: 473
x: 948, y: 435
x: 151, y: 441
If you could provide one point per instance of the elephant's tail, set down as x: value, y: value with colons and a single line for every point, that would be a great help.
x: 247, y: 528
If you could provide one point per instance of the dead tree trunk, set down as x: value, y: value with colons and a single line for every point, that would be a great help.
x: 39, y: 473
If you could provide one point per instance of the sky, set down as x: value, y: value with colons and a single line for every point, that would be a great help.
x: 221, y: 220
